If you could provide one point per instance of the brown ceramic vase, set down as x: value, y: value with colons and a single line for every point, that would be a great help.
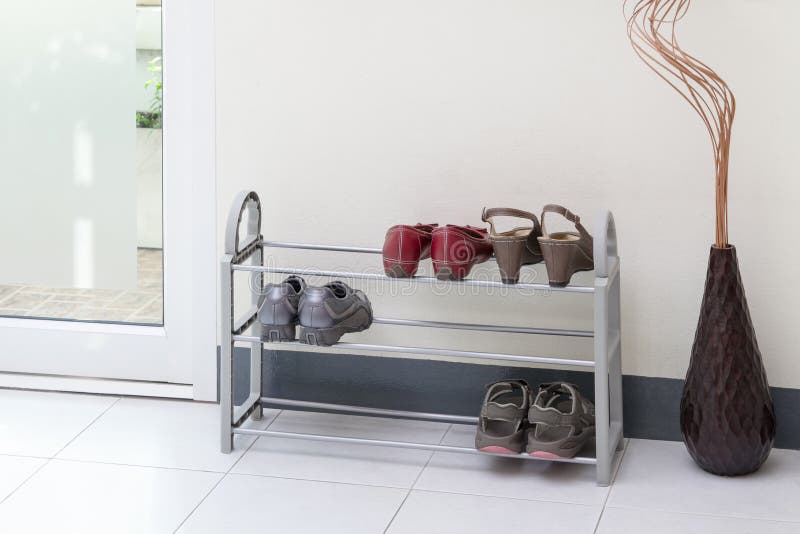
x: 727, y: 416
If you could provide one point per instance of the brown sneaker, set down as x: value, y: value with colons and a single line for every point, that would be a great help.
x: 329, y: 312
x: 566, y: 253
x: 501, y: 426
x: 561, y: 422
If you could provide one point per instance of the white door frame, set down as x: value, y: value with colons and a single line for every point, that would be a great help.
x: 178, y: 359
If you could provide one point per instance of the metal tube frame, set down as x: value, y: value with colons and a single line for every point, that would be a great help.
x: 416, y: 279
x: 246, y: 253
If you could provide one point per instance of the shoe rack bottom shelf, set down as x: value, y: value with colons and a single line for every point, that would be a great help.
x: 406, y: 445
x: 587, y: 457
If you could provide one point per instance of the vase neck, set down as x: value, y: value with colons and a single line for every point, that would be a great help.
x: 721, y: 256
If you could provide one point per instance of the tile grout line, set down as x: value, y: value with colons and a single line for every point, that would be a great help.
x: 39, y: 304
x: 708, y: 515
x: 364, y: 485
x: 335, y: 482
x: 4, y: 499
x: 9, y: 295
x: 457, y: 493
x: 224, y: 475
x: 611, y: 487
x: 119, y: 464
x: 86, y: 428
x: 413, y: 484
x: 507, y: 498
x: 51, y: 458
x: 10, y: 455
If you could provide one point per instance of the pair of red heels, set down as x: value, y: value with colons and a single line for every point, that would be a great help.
x: 452, y: 249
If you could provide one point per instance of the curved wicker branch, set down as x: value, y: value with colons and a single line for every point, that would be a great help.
x: 651, y: 29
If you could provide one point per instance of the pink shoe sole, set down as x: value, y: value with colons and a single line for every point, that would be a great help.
x: 496, y: 449
x: 547, y: 455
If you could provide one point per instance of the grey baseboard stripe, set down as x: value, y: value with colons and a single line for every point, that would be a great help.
x: 650, y: 404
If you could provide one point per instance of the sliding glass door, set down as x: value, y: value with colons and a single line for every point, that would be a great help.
x: 107, y: 105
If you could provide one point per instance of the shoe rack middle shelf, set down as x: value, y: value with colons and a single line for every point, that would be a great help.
x: 418, y: 279
x: 606, y: 364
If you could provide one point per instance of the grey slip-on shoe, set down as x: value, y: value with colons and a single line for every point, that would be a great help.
x: 278, y: 311
x: 330, y: 311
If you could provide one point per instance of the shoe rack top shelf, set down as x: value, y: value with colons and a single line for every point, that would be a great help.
x: 247, y: 208
x: 329, y: 248
x: 605, y: 253
x: 245, y: 251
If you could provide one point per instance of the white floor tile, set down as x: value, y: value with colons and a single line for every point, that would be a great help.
x: 85, y: 498
x: 624, y: 520
x: 658, y: 484
x: 40, y: 424
x: 158, y: 433
x: 245, y: 503
x: 14, y: 470
x: 341, y: 462
x: 660, y: 475
x: 466, y: 514
x: 507, y: 477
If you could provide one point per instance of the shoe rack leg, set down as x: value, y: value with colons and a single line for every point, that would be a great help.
x: 601, y: 394
x: 615, y: 370
x: 256, y: 352
x: 226, y: 356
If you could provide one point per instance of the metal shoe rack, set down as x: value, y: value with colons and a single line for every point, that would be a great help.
x: 244, y: 251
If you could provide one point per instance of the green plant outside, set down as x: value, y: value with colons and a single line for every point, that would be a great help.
x: 153, y: 117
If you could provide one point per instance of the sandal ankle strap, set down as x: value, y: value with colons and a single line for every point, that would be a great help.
x: 493, y: 409
x: 509, y: 212
x: 581, y: 413
x: 568, y: 215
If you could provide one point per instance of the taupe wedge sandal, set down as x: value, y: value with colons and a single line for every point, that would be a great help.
x: 566, y: 253
x: 514, y: 248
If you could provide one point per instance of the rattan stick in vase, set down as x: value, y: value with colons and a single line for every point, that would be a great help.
x: 651, y: 29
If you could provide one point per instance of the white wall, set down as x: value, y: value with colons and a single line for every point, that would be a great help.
x: 351, y: 116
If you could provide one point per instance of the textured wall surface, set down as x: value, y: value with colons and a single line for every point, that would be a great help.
x: 351, y: 116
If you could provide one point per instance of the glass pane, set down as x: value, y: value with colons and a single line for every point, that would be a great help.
x: 81, y: 202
